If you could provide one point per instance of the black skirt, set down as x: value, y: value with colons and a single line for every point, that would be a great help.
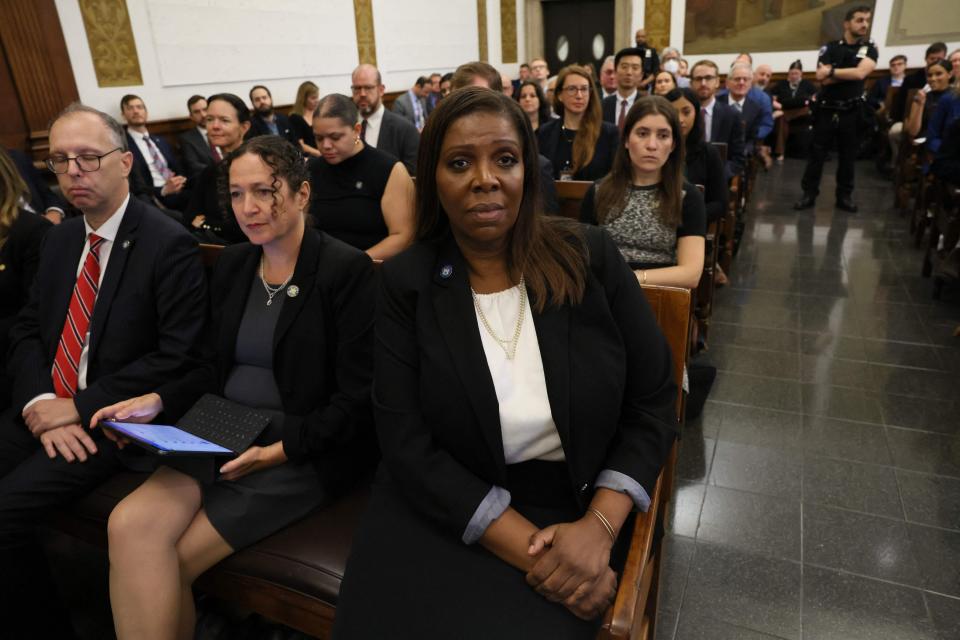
x: 407, y: 578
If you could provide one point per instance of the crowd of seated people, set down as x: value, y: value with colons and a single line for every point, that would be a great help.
x: 308, y: 204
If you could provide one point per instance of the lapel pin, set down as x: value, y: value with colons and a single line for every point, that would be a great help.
x: 359, y: 184
x: 3, y: 267
x: 446, y: 271
x: 126, y: 244
x: 293, y: 291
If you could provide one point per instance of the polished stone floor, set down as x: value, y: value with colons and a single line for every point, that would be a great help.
x: 819, y: 491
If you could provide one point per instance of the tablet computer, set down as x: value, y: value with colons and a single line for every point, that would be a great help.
x: 166, y: 440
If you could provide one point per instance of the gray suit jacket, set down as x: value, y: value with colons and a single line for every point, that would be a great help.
x: 403, y: 106
x: 400, y: 139
x: 195, y: 152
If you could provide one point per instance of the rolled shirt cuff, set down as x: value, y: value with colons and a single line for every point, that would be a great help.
x: 616, y: 481
x: 491, y: 507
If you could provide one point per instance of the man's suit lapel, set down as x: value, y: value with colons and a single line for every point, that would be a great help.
x: 123, y: 245
x: 66, y: 283
x: 457, y: 320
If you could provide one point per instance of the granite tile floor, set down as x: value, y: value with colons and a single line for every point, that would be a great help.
x: 819, y: 491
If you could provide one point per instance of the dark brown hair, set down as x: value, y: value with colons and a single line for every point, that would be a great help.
x: 585, y: 143
x: 12, y: 189
x: 285, y: 162
x: 549, y: 251
x: 614, y: 189
x: 465, y: 73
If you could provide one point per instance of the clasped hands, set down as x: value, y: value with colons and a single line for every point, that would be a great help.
x: 145, y: 408
x: 573, y: 566
x: 56, y: 423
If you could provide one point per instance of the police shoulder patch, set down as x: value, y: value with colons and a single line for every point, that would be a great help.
x: 823, y: 50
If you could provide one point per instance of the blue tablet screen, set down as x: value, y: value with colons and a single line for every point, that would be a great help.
x: 167, y: 438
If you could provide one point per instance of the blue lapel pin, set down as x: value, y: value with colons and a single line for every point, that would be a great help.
x: 446, y: 271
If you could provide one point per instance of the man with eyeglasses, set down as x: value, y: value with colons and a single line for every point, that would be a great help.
x: 380, y: 128
x: 628, y: 64
x: 751, y: 112
x: 117, y: 310
x: 540, y: 72
x: 720, y: 122
x: 842, y: 67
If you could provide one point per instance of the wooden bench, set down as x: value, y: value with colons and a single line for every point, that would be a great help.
x: 570, y: 194
x: 293, y: 576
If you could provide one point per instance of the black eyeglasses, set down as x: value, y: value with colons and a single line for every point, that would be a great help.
x: 86, y: 162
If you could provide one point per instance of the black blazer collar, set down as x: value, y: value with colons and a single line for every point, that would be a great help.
x: 457, y: 320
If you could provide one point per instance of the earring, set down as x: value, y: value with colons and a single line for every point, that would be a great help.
x: 357, y: 141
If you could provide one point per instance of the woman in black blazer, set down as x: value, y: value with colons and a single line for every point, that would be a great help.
x: 21, y: 235
x: 703, y: 164
x: 523, y: 402
x: 290, y: 334
x: 579, y: 144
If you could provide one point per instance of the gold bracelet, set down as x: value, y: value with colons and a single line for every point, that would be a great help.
x: 606, y: 523
x: 644, y: 281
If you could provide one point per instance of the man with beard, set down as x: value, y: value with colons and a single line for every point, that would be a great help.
x: 265, y: 120
x: 379, y: 127
x: 720, y: 122
x: 841, y: 69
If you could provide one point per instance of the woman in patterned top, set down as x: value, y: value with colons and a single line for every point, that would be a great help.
x: 656, y: 218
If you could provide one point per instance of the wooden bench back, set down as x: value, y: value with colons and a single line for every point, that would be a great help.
x: 570, y: 193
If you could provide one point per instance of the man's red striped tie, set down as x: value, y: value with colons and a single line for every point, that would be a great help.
x: 66, y: 364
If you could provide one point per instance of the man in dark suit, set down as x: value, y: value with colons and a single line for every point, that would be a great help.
x: 379, y: 128
x: 42, y: 198
x: 628, y: 65
x: 721, y: 123
x: 153, y: 158
x: 265, y: 120
x: 739, y: 99
x: 412, y: 105
x: 116, y: 310
x: 195, y: 147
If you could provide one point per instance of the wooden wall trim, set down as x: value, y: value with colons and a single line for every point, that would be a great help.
x: 39, y: 64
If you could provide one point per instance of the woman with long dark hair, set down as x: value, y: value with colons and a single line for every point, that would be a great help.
x: 655, y: 216
x: 534, y: 104
x: 579, y: 144
x: 522, y: 397
x: 702, y: 160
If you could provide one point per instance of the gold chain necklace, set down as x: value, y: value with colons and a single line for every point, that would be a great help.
x: 509, y: 345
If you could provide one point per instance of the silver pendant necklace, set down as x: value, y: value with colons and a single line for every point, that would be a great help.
x: 272, y: 291
x: 509, y: 345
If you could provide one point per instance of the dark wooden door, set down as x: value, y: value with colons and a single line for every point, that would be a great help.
x: 577, y: 32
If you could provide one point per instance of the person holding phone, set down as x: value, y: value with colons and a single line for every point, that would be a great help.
x: 290, y: 333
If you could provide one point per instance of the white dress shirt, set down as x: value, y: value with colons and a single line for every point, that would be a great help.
x: 630, y: 100
x: 374, y: 120
x: 708, y: 119
x: 108, y: 231
x: 140, y: 140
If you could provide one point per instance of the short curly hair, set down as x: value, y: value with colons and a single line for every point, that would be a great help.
x: 285, y: 162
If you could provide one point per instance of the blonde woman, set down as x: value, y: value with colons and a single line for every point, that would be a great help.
x: 301, y: 117
x: 21, y: 234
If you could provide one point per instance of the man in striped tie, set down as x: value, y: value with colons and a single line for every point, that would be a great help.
x: 116, y: 310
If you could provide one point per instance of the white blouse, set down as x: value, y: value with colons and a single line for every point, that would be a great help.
x: 526, y: 421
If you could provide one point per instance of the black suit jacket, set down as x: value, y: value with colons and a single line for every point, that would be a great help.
x: 727, y: 127
x: 258, y: 127
x: 916, y: 80
x: 144, y: 177
x: 611, y: 108
x: 19, y: 257
x: 146, y: 323
x: 794, y: 100
x: 195, y: 151
x: 548, y: 137
x: 400, y: 139
x: 42, y: 196
x: 322, y: 357
x: 749, y: 119
x: 606, y: 364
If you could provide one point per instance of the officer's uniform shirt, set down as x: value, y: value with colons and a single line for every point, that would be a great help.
x: 845, y: 56
x: 651, y: 61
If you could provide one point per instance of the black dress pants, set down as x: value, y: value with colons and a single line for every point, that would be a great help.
x: 32, y: 486
x: 830, y: 125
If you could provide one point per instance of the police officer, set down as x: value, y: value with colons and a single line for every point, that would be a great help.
x: 841, y: 69
x: 651, y: 61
